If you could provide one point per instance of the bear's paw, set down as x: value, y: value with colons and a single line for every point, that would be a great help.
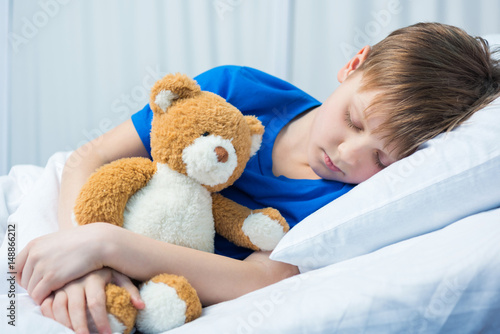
x: 265, y: 228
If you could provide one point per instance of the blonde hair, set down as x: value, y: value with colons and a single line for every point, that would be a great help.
x: 431, y: 77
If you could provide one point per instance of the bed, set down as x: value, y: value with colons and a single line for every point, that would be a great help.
x: 412, y: 250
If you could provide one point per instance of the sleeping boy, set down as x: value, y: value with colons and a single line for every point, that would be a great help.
x: 419, y: 81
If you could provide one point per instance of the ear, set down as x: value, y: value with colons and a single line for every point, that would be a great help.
x: 257, y: 130
x: 353, y: 64
x: 170, y: 88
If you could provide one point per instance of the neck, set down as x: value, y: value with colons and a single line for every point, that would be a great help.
x: 290, y: 157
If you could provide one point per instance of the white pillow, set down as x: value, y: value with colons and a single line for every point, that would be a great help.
x: 453, y: 176
x: 441, y: 282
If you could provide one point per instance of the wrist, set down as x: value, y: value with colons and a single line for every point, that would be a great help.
x: 104, y: 243
x: 65, y: 224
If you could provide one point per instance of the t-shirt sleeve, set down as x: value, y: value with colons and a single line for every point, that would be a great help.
x: 142, y: 123
x: 252, y: 91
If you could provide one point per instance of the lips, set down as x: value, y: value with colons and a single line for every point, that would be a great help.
x: 329, y: 164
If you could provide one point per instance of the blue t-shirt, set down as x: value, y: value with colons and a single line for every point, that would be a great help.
x: 275, y: 102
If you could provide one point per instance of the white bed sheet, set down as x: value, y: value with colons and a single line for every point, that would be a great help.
x: 28, y: 200
x: 442, y: 282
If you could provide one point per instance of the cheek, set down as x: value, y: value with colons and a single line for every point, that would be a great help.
x: 327, y: 126
x: 363, y: 173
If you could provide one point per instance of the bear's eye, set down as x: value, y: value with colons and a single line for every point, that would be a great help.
x: 205, y: 134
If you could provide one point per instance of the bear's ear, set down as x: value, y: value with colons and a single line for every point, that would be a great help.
x: 172, y: 87
x: 257, y: 130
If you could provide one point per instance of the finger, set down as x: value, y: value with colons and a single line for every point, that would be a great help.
x: 60, y: 308
x: 20, y: 261
x: 125, y: 282
x: 27, y: 271
x: 96, y: 304
x: 39, y: 290
x: 77, y: 309
x: 46, y: 307
x: 27, y: 259
x: 32, y: 285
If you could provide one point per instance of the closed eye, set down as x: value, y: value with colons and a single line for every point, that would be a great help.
x: 349, y: 122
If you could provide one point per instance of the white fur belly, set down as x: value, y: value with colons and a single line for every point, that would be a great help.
x: 172, y: 208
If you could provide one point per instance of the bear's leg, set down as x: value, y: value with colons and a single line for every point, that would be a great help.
x: 265, y: 228
x: 260, y: 229
x: 121, y: 312
x: 170, y: 302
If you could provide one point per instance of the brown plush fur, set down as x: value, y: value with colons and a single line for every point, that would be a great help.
x: 185, y: 292
x: 229, y: 217
x: 194, y: 113
x: 173, y: 131
x: 118, y: 303
x: 104, y: 197
x: 255, y: 125
x: 178, y: 83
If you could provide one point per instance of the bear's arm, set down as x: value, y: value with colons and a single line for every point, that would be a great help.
x: 105, y: 194
x: 257, y: 230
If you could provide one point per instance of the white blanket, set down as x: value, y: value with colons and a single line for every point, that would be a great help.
x: 29, y: 197
x: 441, y: 282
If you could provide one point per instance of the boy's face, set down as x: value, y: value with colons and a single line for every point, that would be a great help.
x: 342, y: 145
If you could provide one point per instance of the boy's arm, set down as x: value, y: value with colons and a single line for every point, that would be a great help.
x: 120, y: 142
x: 43, y: 268
x: 216, y: 278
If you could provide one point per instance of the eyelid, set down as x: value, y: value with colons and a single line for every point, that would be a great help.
x: 349, y: 121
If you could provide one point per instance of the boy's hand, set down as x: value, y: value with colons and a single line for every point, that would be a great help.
x: 70, y: 304
x: 49, y: 262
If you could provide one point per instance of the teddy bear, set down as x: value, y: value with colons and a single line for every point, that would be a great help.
x: 200, y: 144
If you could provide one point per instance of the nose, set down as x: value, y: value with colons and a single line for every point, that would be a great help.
x: 221, y: 153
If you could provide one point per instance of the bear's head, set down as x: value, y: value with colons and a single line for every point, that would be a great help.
x: 199, y: 134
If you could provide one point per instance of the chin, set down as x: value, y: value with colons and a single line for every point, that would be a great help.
x: 324, y: 172
x: 328, y: 175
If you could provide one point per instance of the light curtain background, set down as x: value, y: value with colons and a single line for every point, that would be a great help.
x: 73, y: 69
